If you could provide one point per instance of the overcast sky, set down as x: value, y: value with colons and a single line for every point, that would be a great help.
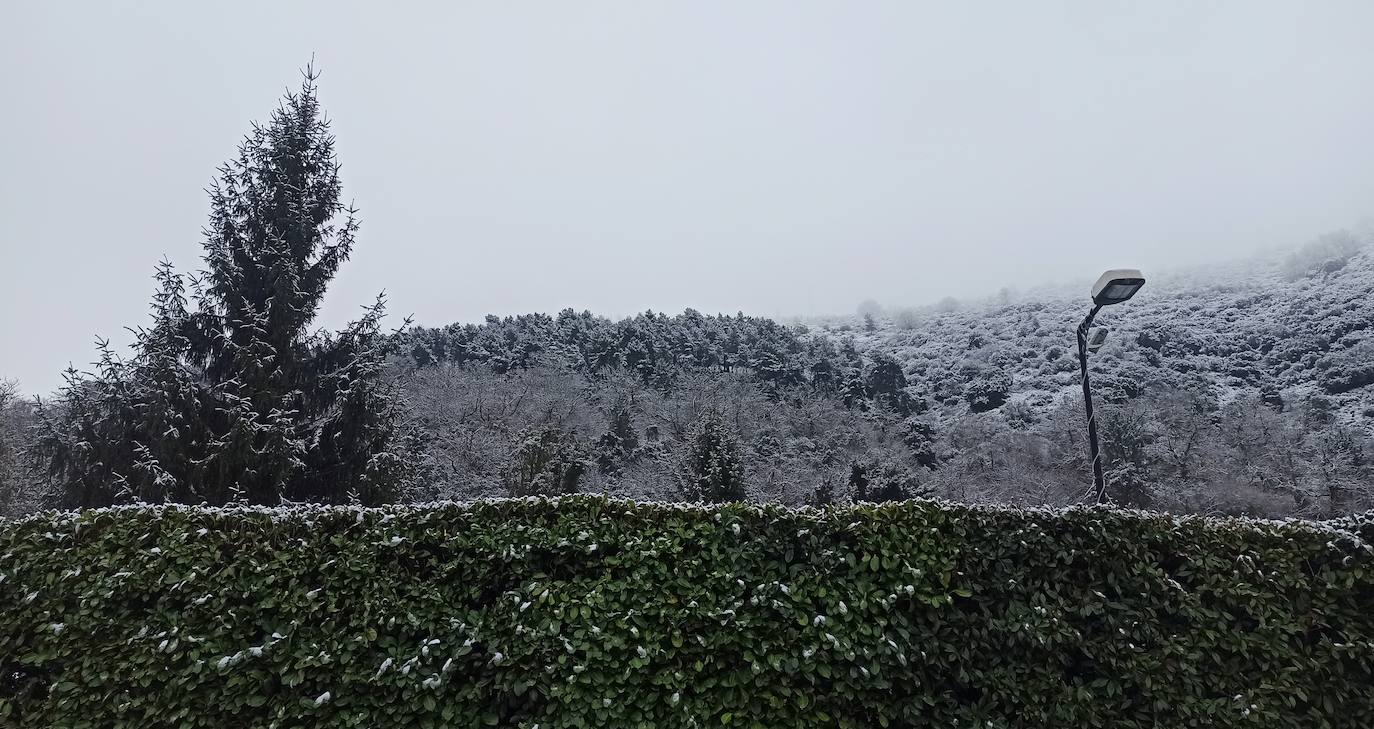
x: 772, y: 157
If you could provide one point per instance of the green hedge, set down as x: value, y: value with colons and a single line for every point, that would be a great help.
x: 585, y: 612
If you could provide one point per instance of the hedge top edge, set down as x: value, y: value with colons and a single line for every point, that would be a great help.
x: 1347, y: 526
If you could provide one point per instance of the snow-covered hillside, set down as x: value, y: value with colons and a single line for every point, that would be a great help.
x: 1288, y: 327
x: 1244, y: 388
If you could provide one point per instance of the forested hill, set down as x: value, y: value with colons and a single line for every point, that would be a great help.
x: 1243, y: 388
x: 1246, y: 388
x: 1284, y: 326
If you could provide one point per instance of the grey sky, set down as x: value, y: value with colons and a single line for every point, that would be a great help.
x: 771, y: 157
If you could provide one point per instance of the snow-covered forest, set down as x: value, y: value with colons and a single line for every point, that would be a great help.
x: 1236, y: 389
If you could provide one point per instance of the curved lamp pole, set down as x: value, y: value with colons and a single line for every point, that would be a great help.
x: 1113, y: 287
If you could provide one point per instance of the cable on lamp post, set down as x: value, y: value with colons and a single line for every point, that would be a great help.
x: 1113, y: 287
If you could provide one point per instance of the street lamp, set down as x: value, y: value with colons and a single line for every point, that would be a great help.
x: 1113, y: 287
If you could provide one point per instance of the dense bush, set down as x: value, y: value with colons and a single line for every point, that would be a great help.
x: 586, y: 612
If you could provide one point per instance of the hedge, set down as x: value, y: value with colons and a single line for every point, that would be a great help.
x: 587, y: 612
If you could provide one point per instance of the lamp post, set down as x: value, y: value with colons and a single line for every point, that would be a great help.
x: 1113, y: 287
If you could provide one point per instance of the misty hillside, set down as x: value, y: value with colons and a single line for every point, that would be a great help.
x: 1287, y: 327
x: 1241, y: 388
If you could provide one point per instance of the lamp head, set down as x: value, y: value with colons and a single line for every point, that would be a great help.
x: 1117, y: 285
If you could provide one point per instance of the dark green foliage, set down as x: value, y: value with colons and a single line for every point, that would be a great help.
x: 236, y: 398
x: 583, y: 612
x: 712, y: 469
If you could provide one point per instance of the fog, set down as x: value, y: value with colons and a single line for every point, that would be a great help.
x: 778, y: 158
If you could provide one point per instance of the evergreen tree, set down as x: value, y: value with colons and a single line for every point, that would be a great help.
x: 824, y: 380
x: 986, y: 387
x: 822, y: 495
x: 852, y: 385
x: 921, y: 440
x: 237, y: 399
x: 879, y: 481
x: 547, y: 462
x: 713, y: 469
x: 618, y: 444
x: 887, y: 384
x: 858, y: 482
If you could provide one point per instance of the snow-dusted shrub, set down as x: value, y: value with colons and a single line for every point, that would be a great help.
x: 906, y: 319
x: 1347, y: 370
x: 986, y: 388
x: 1326, y: 254
x: 588, y: 612
x: 546, y: 463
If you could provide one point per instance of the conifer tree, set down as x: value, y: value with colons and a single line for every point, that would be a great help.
x: 887, y: 384
x: 618, y: 443
x: 822, y: 495
x: 878, y: 481
x: 713, y: 469
x: 238, y: 399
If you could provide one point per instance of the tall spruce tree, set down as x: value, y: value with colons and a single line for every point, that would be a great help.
x: 238, y: 399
